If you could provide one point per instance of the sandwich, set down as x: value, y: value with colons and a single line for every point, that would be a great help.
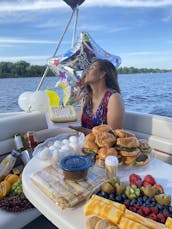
x: 121, y: 133
x: 128, y: 147
x: 144, y: 146
x: 141, y: 159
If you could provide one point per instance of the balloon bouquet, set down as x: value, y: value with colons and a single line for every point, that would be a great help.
x: 67, y: 68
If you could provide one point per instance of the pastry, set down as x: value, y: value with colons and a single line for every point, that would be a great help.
x: 144, y: 146
x: 102, y: 224
x: 92, y: 221
x: 104, y: 152
x: 121, y: 133
x: 128, y: 146
x: 105, y: 139
x: 90, y: 137
x: 129, y: 160
x: 101, y: 128
x: 91, y: 146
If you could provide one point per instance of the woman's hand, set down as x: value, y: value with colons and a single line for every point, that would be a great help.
x: 80, y: 129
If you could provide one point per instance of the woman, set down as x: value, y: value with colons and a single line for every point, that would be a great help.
x: 102, y: 104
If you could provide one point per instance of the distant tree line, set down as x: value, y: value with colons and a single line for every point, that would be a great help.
x: 24, y: 69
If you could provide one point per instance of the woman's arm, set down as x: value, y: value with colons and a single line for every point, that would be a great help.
x: 115, y: 113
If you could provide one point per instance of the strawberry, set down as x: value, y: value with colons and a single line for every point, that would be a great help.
x: 135, y: 180
x: 145, y: 183
x: 159, y: 188
x: 150, y: 179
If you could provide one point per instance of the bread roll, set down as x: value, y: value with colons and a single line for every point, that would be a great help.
x: 91, y: 146
x: 92, y: 221
x: 102, y: 224
x: 104, y: 152
x: 105, y: 139
x: 90, y: 137
x: 121, y: 133
x: 127, y: 142
x: 144, y: 146
x: 129, y: 160
x: 133, y: 153
x: 100, y: 129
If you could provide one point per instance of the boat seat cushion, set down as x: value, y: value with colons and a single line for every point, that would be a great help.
x: 21, y: 124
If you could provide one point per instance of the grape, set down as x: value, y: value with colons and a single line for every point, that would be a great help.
x: 15, y: 203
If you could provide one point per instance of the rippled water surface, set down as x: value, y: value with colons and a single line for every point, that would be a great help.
x: 147, y: 93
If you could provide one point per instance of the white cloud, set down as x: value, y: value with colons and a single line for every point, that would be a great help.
x: 129, y: 3
x: 25, y: 5
x: 6, y: 40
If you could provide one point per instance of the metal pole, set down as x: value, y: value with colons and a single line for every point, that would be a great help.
x: 57, y: 48
x: 75, y: 25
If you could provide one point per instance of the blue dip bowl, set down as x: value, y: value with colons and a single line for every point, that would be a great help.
x: 75, y: 167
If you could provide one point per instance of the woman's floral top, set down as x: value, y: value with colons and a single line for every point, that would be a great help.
x: 89, y: 120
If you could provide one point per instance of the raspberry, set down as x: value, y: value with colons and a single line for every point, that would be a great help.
x: 165, y: 213
x: 146, y: 210
x: 154, y: 210
x: 153, y: 216
x: 161, y: 218
x: 140, y: 212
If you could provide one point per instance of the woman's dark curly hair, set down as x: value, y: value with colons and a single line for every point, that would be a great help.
x: 111, y: 78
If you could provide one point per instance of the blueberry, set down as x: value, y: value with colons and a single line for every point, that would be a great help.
x: 104, y: 194
x: 170, y: 209
x: 112, y: 197
x: 118, y: 198
x: 124, y: 197
x: 145, y: 198
x: 133, y: 202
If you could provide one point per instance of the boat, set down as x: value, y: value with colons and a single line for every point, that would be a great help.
x: 156, y: 129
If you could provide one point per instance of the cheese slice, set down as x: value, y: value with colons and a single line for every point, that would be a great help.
x: 103, y: 209
x: 168, y: 223
x: 117, y: 205
x: 126, y: 223
x: 145, y: 221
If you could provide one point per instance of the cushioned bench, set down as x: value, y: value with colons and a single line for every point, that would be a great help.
x: 156, y: 129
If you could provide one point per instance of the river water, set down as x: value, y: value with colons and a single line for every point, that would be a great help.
x: 146, y: 93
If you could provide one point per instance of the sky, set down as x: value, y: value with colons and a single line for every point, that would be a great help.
x: 139, y: 31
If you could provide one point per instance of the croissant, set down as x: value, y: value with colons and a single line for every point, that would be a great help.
x: 100, y: 129
x: 91, y: 146
x: 105, y: 139
x: 90, y: 137
x: 104, y: 152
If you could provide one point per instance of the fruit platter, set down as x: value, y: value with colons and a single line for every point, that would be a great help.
x: 12, y: 198
x: 140, y: 200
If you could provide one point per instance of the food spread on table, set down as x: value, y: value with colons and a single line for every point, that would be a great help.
x: 76, y: 173
x: 140, y: 203
x: 12, y: 198
x: 123, y: 144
